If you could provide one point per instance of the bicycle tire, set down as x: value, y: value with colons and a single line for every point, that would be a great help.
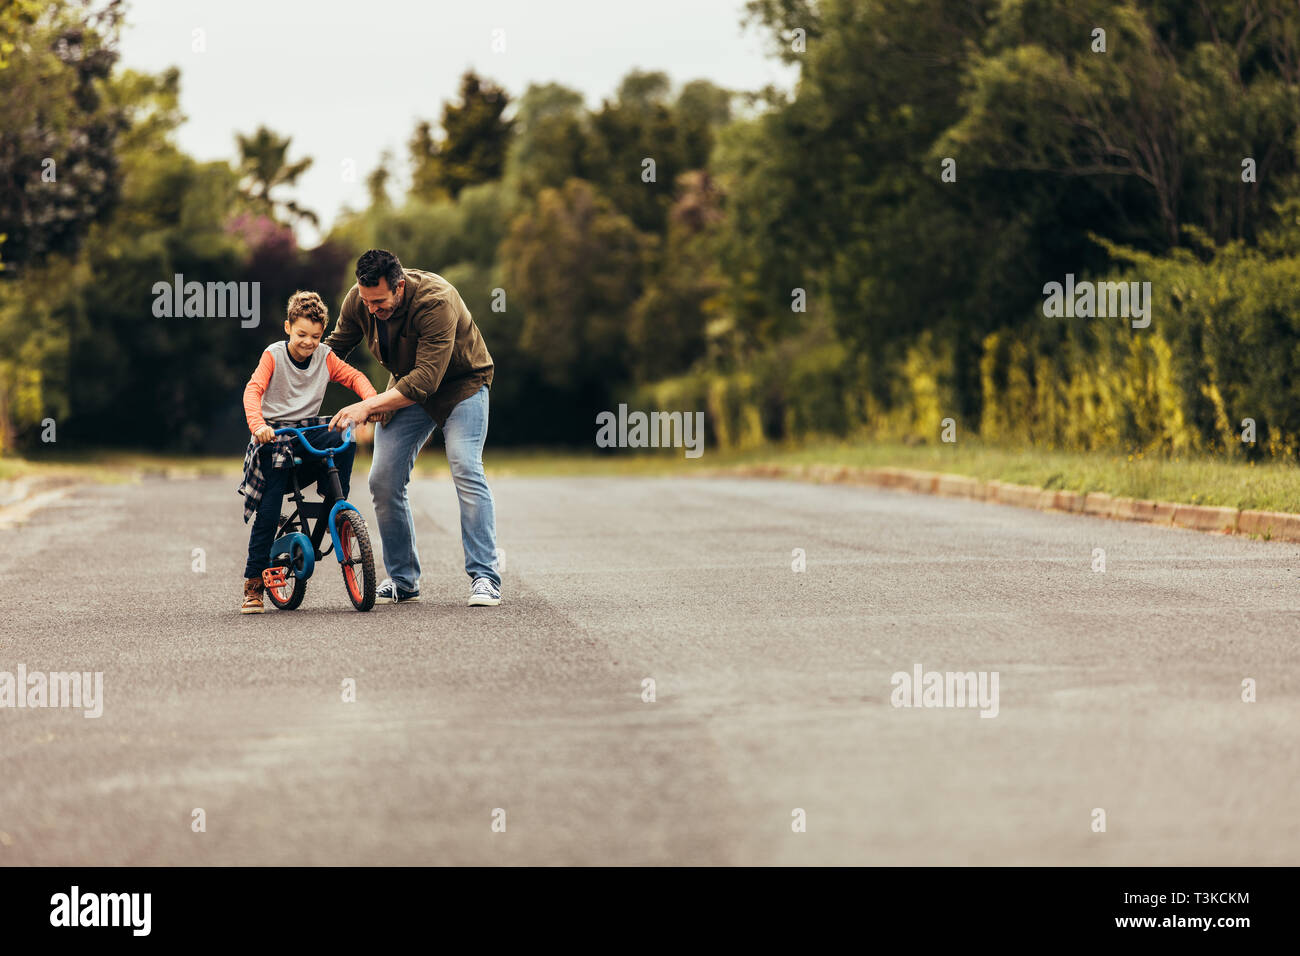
x: 355, y: 552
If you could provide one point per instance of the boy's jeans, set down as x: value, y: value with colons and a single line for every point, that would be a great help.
x: 396, y: 446
x: 278, y: 484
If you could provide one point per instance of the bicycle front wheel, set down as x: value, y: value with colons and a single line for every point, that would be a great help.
x: 357, y: 559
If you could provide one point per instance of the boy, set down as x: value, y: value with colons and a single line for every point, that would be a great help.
x: 288, y: 388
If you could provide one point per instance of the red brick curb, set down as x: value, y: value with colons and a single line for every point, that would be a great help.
x: 1269, y: 525
x: 1202, y: 518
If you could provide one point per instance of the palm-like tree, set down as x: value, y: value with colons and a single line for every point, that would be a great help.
x: 264, y: 166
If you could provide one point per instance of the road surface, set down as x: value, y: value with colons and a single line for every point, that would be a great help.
x: 1119, y: 690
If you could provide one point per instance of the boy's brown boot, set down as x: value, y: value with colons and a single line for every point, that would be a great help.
x: 252, y: 596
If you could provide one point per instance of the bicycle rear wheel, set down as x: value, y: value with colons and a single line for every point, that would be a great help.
x: 357, y: 559
x: 290, y: 595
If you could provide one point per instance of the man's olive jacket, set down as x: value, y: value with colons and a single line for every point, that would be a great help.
x: 436, y: 356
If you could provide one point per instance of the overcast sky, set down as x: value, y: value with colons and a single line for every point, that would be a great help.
x: 349, y: 79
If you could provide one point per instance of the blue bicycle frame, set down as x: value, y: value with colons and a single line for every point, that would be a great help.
x: 305, y: 509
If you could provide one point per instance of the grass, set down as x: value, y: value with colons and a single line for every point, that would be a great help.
x: 1198, y: 480
x: 1272, y: 486
x: 88, y: 470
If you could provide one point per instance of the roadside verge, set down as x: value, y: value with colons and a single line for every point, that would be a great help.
x: 20, y: 498
x: 1267, y: 525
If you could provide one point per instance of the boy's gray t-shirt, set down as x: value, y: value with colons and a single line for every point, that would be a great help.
x: 295, y: 392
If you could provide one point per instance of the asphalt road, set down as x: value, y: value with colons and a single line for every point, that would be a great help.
x: 1119, y: 690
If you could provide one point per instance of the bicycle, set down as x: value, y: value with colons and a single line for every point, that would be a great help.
x: 294, y: 553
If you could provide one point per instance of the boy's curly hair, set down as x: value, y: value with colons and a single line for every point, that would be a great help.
x: 309, y: 306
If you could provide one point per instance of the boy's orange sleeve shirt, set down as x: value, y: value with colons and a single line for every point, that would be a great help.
x: 343, y: 373
x: 254, y: 391
x: 340, y: 371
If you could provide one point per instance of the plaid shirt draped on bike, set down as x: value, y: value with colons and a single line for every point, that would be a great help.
x: 282, y: 453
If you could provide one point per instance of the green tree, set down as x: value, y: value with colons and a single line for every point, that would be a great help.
x: 172, y: 218
x: 669, y: 325
x: 703, y: 107
x: 16, y: 17
x: 472, y: 148
x: 781, y: 18
x: 1160, y: 121
x: 551, y: 142
x: 638, y: 143
x: 635, y: 128
x: 837, y: 193
x: 426, y: 172
x: 58, y: 176
x: 575, y: 265
x: 377, y: 182
x: 58, y: 170
x: 264, y: 167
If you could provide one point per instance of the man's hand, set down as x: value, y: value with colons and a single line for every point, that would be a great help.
x: 264, y: 434
x: 372, y: 409
x: 354, y: 415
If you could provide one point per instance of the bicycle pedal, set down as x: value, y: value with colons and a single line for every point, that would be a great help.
x: 275, y: 577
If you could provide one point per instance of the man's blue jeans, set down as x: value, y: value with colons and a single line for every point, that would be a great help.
x: 396, y: 446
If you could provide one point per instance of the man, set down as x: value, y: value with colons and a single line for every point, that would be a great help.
x: 440, y: 371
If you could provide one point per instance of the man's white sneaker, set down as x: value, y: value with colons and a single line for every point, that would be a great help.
x: 483, y: 593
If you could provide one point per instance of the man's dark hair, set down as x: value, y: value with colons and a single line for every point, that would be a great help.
x: 376, y: 264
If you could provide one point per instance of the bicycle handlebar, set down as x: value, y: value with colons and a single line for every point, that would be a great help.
x: 318, y: 452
